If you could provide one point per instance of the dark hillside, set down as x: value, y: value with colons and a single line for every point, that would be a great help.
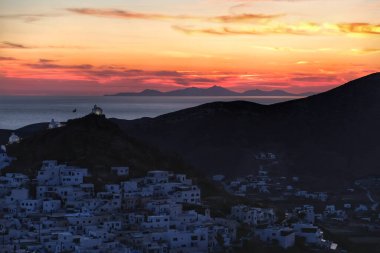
x: 327, y: 136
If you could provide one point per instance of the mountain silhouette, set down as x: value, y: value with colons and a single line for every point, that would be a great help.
x: 211, y: 91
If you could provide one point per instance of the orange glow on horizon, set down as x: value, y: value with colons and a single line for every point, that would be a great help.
x: 113, y: 46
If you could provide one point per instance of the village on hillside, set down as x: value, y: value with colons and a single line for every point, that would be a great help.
x: 60, y: 210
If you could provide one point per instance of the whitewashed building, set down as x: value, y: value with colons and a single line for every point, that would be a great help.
x: 283, y: 236
x: 14, y: 139
x: 311, y: 234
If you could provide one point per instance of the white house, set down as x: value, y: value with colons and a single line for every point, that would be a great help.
x: 88, y: 244
x: 99, y: 232
x: 97, y: 110
x: 72, y: 175
x: 188, y: 194
x: 53, y: 174
x: 5, y: 160
x: 253, y: 216
x: 283, y: 236
x: 112, y: 225
x: 54, y: 124
x: 159, y: 207
x: 14, y: 139
x: 30, y: 205
x: 157, y: 221
x: 14, y: 180
x: 195, y: 240
x: 65, y: 242
x: 184, y: 219
x: 129, y: 187
x: 157, y: 176
x: 311, y: 234
x: 17, y: 195
x: 111, y: 203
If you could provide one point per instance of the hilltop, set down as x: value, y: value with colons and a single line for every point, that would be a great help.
x: 93, y: 142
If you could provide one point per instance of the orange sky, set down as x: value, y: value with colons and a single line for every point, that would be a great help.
x: 94, y: 47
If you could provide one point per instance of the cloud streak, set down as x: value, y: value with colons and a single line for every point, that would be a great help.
x: 47, y: 65
x: 305, y: 28
x: 301, y: 29
x: 13, y: 45
x: 123, y: 14
x: 7, y: 44
x: 4, y: 58
x: 42, y: 60
x: 360, y: 28
x: 116, y: 13
x: 365, y: 50
x: 258, y: 23
x: 26, y: 17
x: 319, y: 79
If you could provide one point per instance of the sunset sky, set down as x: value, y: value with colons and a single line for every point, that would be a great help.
x: 93, y: 47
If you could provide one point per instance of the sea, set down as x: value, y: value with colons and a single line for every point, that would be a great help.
x: 19, y: 111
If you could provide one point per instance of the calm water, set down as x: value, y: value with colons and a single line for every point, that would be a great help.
x: 16, y: 112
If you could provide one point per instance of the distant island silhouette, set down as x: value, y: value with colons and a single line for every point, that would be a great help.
x: 211, y: 91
